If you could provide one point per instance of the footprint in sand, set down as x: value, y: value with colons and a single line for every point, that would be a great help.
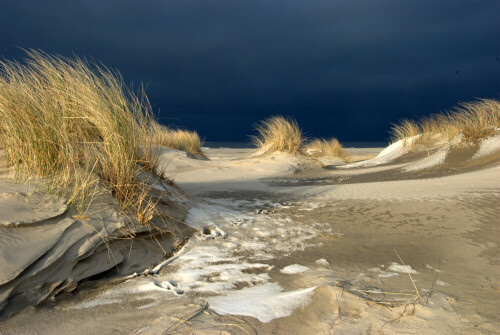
x: 208, y: 233
x: 171, y: 286
x: 239, y: 222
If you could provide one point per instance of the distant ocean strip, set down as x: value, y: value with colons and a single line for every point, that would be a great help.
x: 249, y: 145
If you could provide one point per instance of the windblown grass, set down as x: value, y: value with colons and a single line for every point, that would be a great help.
x: 475, y: 120
x: 278, y: 133
x: 283, y: 134
x: 77, y: 124
x: 179, y: 139
x: 326, y: 148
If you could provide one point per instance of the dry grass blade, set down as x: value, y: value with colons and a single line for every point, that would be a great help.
x: 409, y: 275
x: 141, y: 323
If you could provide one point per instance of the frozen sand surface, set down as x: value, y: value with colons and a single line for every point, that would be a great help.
x: 264, y: 302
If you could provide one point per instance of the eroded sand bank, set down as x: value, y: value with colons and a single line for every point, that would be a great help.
x: 285, y: 246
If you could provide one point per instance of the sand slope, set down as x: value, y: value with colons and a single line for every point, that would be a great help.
x: 46, y: 248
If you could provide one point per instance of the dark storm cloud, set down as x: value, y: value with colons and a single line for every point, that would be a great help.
x: 342, y: 68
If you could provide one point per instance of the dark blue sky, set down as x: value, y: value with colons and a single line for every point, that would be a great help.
x: 342, y: 68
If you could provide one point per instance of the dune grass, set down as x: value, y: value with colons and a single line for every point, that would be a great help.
x: 326, y: 148
x: 78, y: 125
x: 279, y: 133
x: 475, y: 120
x: 179, y: 139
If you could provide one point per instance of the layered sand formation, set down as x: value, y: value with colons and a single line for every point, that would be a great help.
x: 47, y: 248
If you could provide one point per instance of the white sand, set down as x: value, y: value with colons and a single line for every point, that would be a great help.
x: 487, y: 147
x: 393, y: 151
x: 431, y: 161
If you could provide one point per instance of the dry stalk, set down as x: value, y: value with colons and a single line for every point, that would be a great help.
x: 409, y: 275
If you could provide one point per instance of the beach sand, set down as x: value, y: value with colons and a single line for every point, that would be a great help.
x: 406, y: 243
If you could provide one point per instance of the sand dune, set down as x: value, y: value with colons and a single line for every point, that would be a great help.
x: 282, y: 245
x: 46, y: 248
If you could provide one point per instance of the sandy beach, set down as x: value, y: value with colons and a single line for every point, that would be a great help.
x: 404, y: 243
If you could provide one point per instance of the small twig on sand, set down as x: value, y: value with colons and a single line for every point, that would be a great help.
x: 431, y: 290
x: 198, y: 311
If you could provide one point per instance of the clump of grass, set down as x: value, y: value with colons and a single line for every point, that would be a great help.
x: 475, y: 120
x: 326, y: 148
x: 179, y: 139
x: 76, y: 124
x: 405, y: 130
x: 278, y: 133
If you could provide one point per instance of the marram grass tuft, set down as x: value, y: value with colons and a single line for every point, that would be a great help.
x: 278, y: 133
x: 76, y: 124
x: 326, y: 148
x: 475, y: 120
x: 179, y: 139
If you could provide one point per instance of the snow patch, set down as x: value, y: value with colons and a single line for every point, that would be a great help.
x: 220, y: 266
x: 294, y: 268
x: 322, y: 262
x: 262, y: 233
x: 402, y: 268
x: 264, y: 302
x: 213, y: 269
x: 382, y: 273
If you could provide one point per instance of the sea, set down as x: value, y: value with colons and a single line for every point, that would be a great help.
x: 249, y: 145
